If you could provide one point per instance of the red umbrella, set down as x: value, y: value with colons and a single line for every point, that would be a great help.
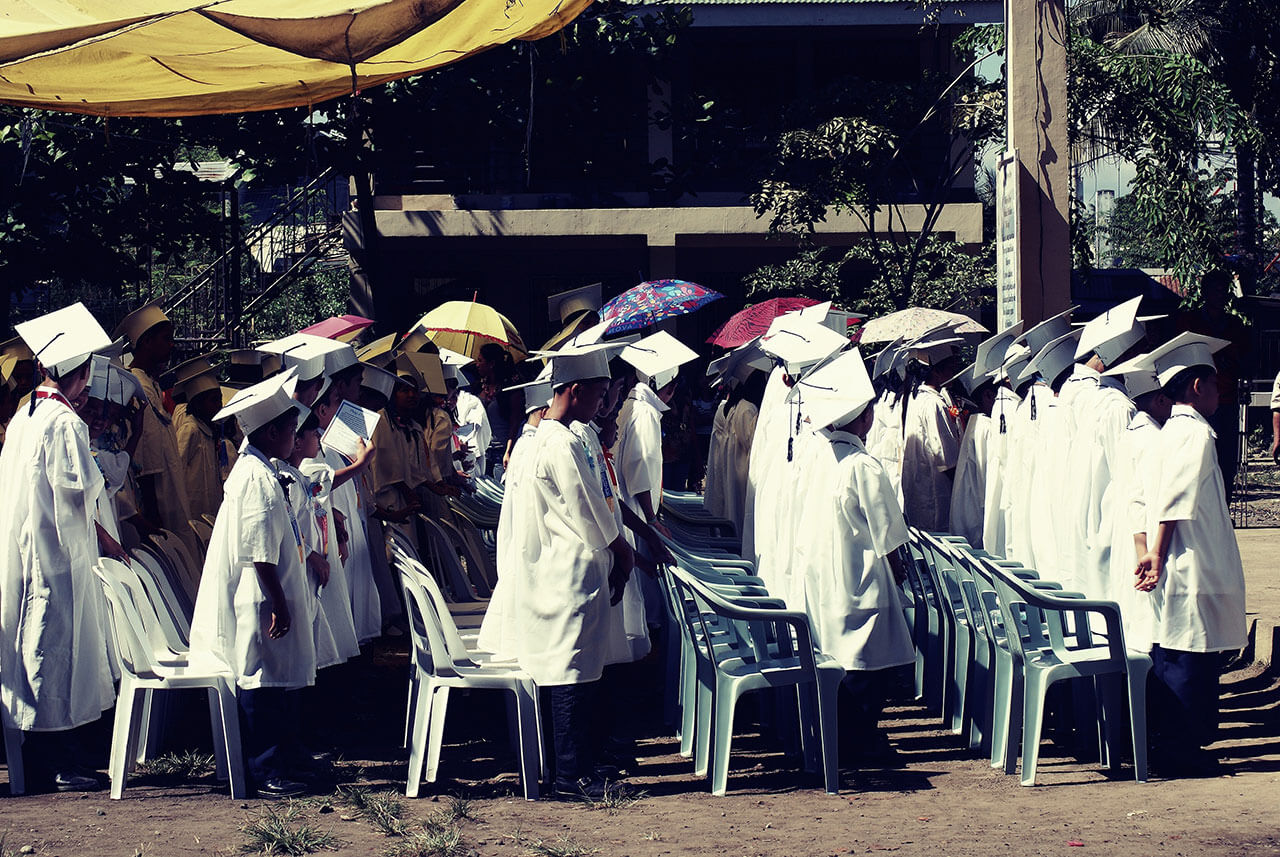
x: 338, y: 326
x: 745, y: 325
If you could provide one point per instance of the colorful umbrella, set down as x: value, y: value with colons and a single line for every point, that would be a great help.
x: 464, y: 326
x: 746, y: 324
x: 913, y: 321
x: 339, y: 327
x: 651, y: 302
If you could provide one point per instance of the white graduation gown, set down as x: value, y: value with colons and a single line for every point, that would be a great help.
x: 783, y: 493
x: 629, y: 632
x: 637, y: 455
x: 969, y: 492
x: 335, y: 597
x: 1024, y: 438
x: 886, y: 439
x: 366, y: 606
x: 53, y: 651
x: 1044, y: 495
x: 769, y: 442
x: 1199, y: 600
x: 930, y: 449
x: 232, y: 617
x: 471, y: 412
x: 561, y: 532
x: 498, y: 630
x: 312, y: 520
x: 736, y: 461
x: 713, y: 482
x: 852, y: 522
x: 1133, y: 483
x: 995, y: 519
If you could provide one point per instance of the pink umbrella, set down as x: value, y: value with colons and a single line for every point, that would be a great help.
x: 745, y: 325
x: 338, y: 326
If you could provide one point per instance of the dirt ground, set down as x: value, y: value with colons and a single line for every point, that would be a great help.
x: 942, y: 800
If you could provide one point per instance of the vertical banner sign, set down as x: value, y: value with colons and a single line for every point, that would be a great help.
x: 1007, y: 309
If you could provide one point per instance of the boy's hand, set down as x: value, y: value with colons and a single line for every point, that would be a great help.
x: 319, y: 566
x: 280, y: 620
x: 1148, y: 572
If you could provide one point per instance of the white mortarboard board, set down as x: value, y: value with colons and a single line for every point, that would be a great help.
x: 1015, y: 360
x: 564, y: 305
x: 99, y: 375
x: 339, y: 357
x: 1182, y: 352
x: 124, y: 386
x: 1113, y: 332
x: 989, y: 356
x: 738, y: 364
x: 379, y: 380
x: 138, y: 322
x: 935, y: 345
x: 1055, y: 357
x: 1047, y: 331
x: 302, y: 352
x: 63, y: 340
x: 255, y: 406
x: 424, y: 370
x: 1138, y: 375
x: 836, y: 392
x: 453, y: 358
x: 658, y: 357
x: 378, y: 352
x: 579, y: 362
x: 537, y: 393
x: 800, y: 344
x: 969, y: 379
x: 885, y: 359
x: 249, y: 365
x: 191, y: 368
x: 817, y: 313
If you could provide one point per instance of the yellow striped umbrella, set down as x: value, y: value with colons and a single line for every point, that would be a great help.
x: 464, y: 326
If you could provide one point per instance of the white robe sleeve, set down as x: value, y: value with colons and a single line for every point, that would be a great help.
x: 573, y: 476
x: 1182, y: 475
x: 879, y: 502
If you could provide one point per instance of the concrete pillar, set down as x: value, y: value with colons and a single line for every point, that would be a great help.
x: 1036, y: 63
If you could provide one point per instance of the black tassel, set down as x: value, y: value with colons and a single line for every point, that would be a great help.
x: 1033, y: 404
x: 790, y: 447
x: 1002, y: 424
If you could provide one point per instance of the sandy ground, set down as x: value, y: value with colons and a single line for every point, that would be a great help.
x: 943, y: 800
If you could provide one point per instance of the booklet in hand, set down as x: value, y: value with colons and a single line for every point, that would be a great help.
x: 349, y: 425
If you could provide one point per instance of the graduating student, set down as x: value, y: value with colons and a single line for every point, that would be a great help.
x: 744, y: 416
x: 1193, y: 567
x: 110, y: 389
x: 886, y: 439
x: 1133, y: 488
x: 798, y: 343
x: 1029, y: 418
x: 713, y: 478
x: 255, y: 611
x: 54, y: 675
x: 1100, y: 411
x: 377, y: 388
x: 571, y: 562
x: 848, y: 555
x: 206, y: 454
x: 996, y: 523
x: 161, y: 478
x: 473, y: 422
x: 932, y: 435
x: 969, y: 492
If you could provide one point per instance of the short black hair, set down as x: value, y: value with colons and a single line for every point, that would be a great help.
x: 280, y: 423
x: 1177, y: 388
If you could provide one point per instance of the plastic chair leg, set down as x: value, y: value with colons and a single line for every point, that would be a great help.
x: 688, y: 702
x: 144, y: 731
x: 156, y: 717
x: 408, y: 705
x: 726, y: 701
x: 960, y: 683
x: 702, y: 736
x: 1000, y: 712
x: 129, y: 711
x: 13, y: 757
x: 827, y: 691
x: 1032, y: 723
x: 220, y: 765
x: 439, y: 705
x: 530, y: 739
x: 810, y: 742
x: 418, y: 740
x: 229, y: 726
x: 1137, y: 691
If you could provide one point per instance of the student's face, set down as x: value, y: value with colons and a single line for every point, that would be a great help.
x: 282, y: 437
x: 586, y: 399
x: 667, y: 392
x: 306, y: 393
x: 94, y: 414
x: 205, y: 405
x: 406, y: 397
x: 73, y: 386
x: 308, y: 443
x: 372, y: 399
x: 1206, y: 395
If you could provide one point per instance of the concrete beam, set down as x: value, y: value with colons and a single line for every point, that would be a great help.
x: 831, y: 14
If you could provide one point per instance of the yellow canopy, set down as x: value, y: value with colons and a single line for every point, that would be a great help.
x: 166, y: 58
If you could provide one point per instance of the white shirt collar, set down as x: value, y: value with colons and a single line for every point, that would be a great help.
x: 641, y: 392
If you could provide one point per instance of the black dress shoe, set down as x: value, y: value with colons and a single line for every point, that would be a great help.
x: 72, y: 781
x: 585, y: 789
x: 278, y: 787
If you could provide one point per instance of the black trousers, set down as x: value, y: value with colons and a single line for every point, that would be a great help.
x: 575, y: 729
x: 1182, y: 700
x: 269, y: 721
x: 47, y: 753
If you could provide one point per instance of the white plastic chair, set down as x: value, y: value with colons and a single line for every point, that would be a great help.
x: 140, y: 675
x: 437, y: 673
x: 13, y: 758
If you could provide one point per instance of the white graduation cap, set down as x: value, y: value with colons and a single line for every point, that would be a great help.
x: 658, y: 357
x: 1138, y: 375
x: 991, y: 352
x: 800, y: 344
x: 738, y: 364
x: 579, y: 362
x: 453, y: 358
x: 123, y: 386
x: 1047, y: 331
x: 302, y: 352
x: 423, y: 370
x: 836, y: 392
x: 885, y: 359
x: 1182, y: 352
x: 565, y: 305
x: 1054, y: 358
x: 969, y: 378
x: 379, y: 380
x: 64, y: 339
x: 339, y: 357
x: 936, y: 346
x: 537, y: 393
x: 255, y: 406
x: 1113, y: 332
x: 99, y: 375
x: 1015, y: 360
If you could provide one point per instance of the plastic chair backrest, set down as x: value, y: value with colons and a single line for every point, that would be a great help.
x: 187, y: 572
x: 787, y: 629
x: 151, y: 610
x: 203, y: 532
x: 424, y: 625
x: 155, y: 567
x: 448, y: 628
x: 135, y: 655
x: 445, y: 558
x: 477, y: 554
x: 175, y: 573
